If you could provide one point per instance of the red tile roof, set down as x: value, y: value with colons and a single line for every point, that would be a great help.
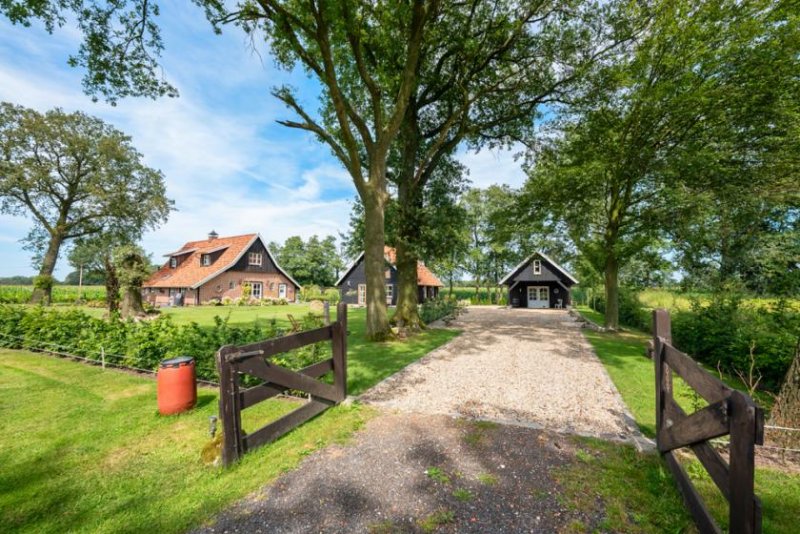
x: 424, y: 275
x: 190, y: 272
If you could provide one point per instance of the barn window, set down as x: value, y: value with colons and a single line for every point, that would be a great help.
x: 254, y: 258
x: 173, y: 262
x: 537, y: 267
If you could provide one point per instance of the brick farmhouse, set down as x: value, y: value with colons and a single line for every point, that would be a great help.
x: 216, y: 268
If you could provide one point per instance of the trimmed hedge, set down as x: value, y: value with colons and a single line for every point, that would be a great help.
x: 434, y: 309
x: 141, y: 344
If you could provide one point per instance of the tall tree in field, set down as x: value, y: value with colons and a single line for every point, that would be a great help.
x: 74, y: 175
x: 650, y: 125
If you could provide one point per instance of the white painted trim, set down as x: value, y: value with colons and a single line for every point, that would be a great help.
x: 350, y: 268
x: 528, y: 259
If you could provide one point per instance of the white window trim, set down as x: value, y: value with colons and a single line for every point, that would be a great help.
x: 253, y: 290
x: 252, y: 256
x: 389, y: 293
x: 358, y: 295
x: 173, y: 262
x: 206, y: 260
x: 537, y: 267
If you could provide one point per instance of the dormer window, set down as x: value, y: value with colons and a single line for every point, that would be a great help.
x: 205, y: 259
x: 255, y: 258
x: 173, y: 262
x: 537, y: 267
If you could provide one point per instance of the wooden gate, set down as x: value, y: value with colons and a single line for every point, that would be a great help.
x: 728, y: 412
x: 253, y: 359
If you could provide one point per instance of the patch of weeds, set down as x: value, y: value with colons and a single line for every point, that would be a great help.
x: 485, y: 425
x: 438, y: 475
x: 473, y: 438
x: 576, y: 525
x: 463, y: 494
x: 432, y: 522
x: 629, y: 488
x: 384, y: 527
x: 488, y: 479
x: 539, y: 494
x: 479, y: 429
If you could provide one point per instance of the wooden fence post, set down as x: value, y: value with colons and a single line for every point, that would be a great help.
x: 227, y: 407
x: 340, y: 351
x: 326, y: 312
x: 745, y: 508
x: 661, y: 330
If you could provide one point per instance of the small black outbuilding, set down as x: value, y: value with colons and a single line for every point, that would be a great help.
x: 539, y: 282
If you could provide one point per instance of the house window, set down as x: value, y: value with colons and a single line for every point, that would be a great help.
x: 173, y: 262
x: 362, y: 294
x: 537, y: 267
x: 389, y: 293
x: 231, y: 284
x: 254, y: 258
x: 206, y: 259
x: 388, y: 274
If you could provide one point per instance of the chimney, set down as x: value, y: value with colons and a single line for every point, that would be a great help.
x: 212, y: 235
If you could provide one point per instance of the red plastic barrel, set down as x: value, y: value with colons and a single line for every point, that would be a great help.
x: 176, y: 385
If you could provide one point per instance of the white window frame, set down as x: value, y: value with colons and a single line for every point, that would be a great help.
x: 389, y: 293
x: 173, y: 262
x: 362, y: 301
x: 206, y: 260
x: 284, y: 289
x: 253, y: 286
x: 255, y: 258
x: 537, y: 267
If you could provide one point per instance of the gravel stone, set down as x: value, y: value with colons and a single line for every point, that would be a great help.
x: 518, y: 366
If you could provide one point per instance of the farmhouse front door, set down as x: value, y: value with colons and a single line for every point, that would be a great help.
x: 281, y: 291
x: 538, y: 297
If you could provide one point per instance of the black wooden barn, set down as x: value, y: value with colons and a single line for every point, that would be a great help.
x: 353, y: 283
x: 539, y: 282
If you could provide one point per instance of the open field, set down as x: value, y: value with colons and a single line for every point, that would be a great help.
x: 632, y: 372
x: 675, y: 300
x: 61, y: 294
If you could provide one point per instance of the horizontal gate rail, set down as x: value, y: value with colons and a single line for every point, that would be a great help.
x: 253, y: 359
x: 728, y: 412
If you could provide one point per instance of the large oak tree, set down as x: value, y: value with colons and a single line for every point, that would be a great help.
x: 74, y: 175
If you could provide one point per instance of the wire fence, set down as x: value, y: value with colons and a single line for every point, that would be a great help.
x: 103, y: 359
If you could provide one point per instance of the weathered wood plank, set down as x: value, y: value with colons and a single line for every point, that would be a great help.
x: 340, y: 351
x: 286, y: 378
x: 262, y: 392
x: 276, y: 429
x: 715, y: 465
x: 702, y: 517
x: 226, y: 407
x: 707, y: 423
x: 278, y: 345
x: 708, y: 386
x: 742, y: 466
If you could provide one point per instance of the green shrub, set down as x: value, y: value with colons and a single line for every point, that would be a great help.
x: 434, y: 309
x: 140, y: 344
x: 631, y: 311
x: 723, y: 332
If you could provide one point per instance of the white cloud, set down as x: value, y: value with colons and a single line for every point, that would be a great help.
x: 489, y: 167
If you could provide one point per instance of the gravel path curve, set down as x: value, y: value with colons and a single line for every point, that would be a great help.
x: 517, y: 366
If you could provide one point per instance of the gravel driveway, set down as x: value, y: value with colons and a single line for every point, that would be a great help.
x: 518, y: 366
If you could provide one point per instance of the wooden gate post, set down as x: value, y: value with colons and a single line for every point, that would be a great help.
x: 340, y: 351
x: 746, y: 425
x: 228, y: 397
x: 661, y: 330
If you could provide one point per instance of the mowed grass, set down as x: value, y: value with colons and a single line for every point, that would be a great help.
x: 633, y: 374
x: 84, y: 449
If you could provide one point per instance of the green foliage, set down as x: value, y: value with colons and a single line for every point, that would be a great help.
x: 631, y: 311
x: 439, y: 308
x: 140, y: 344
x: 61, y: 294
x: 313, y: 292
x: 723, y: 332
x: 312, y: 263
x: 43, y: 281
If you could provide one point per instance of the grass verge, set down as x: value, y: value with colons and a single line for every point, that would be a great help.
x: 623, y: 356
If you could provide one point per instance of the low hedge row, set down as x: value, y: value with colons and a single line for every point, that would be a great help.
x: 434, y: 309
x: 141, y: 344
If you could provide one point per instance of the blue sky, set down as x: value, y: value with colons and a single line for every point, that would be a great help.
x: 228, y: 165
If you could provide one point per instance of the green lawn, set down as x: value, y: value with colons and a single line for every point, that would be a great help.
x: 632, y: 372
x: 83, y: 449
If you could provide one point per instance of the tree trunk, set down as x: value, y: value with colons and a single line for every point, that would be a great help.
x: 43, y: 295
x: 112, y: 286
x: 612, y: 292
x: 374, y: 264
x: 786, y: 410
x: 132, y: 303
x: 406, y: 316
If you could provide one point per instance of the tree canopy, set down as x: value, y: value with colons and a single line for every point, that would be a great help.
x: 74, y: 176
